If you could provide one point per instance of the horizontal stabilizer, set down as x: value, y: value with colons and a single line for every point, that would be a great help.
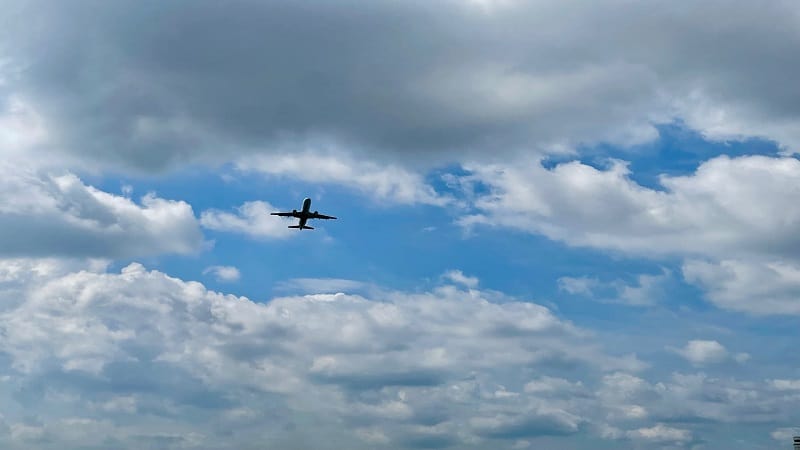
x: 301, y: 228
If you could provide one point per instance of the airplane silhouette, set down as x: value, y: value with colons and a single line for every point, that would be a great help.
x: 303, y: 215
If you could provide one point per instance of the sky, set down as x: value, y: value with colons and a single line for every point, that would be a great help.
x: 561, y: 224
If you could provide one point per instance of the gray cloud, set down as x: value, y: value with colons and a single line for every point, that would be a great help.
x: 149, y: 84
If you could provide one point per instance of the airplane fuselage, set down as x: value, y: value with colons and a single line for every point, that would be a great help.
x: 303, y: 216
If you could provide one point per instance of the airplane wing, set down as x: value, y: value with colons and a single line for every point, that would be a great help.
x: 283, y: 214
x: 316, y: 215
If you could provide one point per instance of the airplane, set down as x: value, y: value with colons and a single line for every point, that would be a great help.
x: 303, y: 215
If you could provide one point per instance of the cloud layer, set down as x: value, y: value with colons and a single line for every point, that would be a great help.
x: 428, y: 81
x: 137, y: 357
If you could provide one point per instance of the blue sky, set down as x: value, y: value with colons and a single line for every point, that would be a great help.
x: 560, y: 225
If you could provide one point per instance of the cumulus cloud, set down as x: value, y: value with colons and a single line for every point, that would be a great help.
x: 105, y: 351
x: 412, y: 79
x: 223, y: 273
x: 756, y: 287
x: 44, y: 214
x: 110, y: 346
x: 733, y: 219
x: 251, y: 218
x: 728, y: 206
x: 693, y: 398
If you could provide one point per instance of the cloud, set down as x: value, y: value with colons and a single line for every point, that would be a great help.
x: 383, y: 182
x: 785, y: 434
x: 457, y: 276
x: 223, y: 273
x: 755, y: 287
x: 105, y: 351
x: 527, y: 424
x: 577, y: 285
x: 45, y: 214
x: 251, y: 218
x: 21, y: 128
x: 661, y: 433
x: 112, y: 348
x: 647, y: 290
x: 786, y: 385
x: 700, y: 352
x: 694, y: 399
x: 548, y: 384
x: 411, y: 80
x: 727, y: 207
x: 733, y: 220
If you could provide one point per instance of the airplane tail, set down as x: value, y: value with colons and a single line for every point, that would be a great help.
x: 305, y: 227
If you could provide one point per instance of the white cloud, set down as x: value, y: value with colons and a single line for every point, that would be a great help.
x: 729, y: 206
x: 785, y: 434
x: 701, y: 352
x: 105, y: 351
x: 457, y: 276
x: 389, y: 183
x: 647, y: 290
x: 21, y: 127
x: 661, y: 433
x: 578, y: 285
x: 786, y: 385
x: 692, y: 398
x: 43, y: 214
x: 374, y: 363
x: 252, y: 219
x: 223, y: 273
x: 751, y: 286
x: 733, y: 220
x: 546, y: 384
